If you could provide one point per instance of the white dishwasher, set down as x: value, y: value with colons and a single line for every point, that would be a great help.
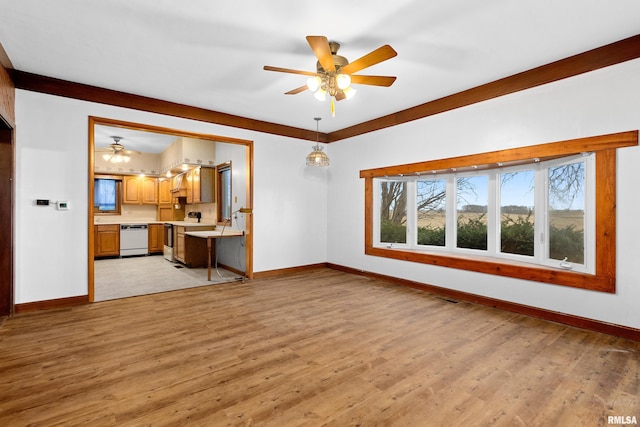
x: 134, y: 239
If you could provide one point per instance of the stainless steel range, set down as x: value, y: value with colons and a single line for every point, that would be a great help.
x: 168, y: 242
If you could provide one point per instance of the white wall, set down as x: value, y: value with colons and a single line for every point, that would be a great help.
x: 52, y: 163
x: 601, y: 102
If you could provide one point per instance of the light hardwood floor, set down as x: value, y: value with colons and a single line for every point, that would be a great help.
x: 310, y: 349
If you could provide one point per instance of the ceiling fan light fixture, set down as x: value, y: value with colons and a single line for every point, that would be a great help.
x: 349, y: 92
x: 333, y: 74
x: 313, y: 83
x: 117, y: 153
x: 343, y: 81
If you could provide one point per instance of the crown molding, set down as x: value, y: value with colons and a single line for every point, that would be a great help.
x: 68, y: 89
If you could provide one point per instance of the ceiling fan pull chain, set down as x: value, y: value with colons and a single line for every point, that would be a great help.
x: 333, y: 106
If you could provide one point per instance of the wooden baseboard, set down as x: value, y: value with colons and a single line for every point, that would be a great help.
x: 553, y: 316
x: 52, y: 303
x: 290, y: 270
x: 231, y: 269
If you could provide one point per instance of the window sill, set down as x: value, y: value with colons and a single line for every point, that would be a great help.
x: 507, y: 268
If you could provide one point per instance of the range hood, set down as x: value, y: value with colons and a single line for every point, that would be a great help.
x: 179, y: 187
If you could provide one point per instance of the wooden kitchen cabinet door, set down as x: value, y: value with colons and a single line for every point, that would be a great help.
x: 156, y: 238
x: 107, y: 240
x: 130, y: 190
x: 164, y: 191
x: 178, y: 244
x: 149, y: 191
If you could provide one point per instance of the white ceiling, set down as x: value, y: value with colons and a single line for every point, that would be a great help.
x: 131, y: 139
x: 210, y: 54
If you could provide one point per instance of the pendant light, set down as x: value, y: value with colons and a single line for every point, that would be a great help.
x: 317, y: 157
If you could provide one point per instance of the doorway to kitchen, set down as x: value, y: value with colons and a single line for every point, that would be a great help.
x: 134, y: 184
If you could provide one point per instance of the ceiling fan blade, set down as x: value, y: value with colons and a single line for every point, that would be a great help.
x: 296, y: 90
x: 373, y: 80
x: 340, y: 96
x: 289, y: 70
x: 372, y: 58
x: 320, y: 46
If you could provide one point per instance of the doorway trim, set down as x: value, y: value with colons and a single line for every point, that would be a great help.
x: 93, y: 121
x: 7, y: 194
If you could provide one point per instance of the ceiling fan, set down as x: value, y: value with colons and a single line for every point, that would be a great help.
x: 335, y: 74
x: 115, y: 152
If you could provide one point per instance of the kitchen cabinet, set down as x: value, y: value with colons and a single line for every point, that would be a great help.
x: 140, y: 190
x: 165, y: 213
x: 200, y: 182
x: 190, y: 251
x: 156, y: 238
x: 164, y: 191
x: 106, y: 240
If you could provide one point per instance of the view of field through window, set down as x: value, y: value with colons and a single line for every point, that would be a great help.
x: 564, y: 208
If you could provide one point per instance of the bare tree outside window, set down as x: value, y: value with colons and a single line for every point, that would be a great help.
x: 566, y: 212
x: 431, y: 205
x: 393, y: 212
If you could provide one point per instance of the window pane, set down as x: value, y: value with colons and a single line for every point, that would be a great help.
x: 472, y: 212
x: 432, y: 211
x: 105, y: 194
x: 517, y: 202
x: 393, y: 212
x: 225, y: 188
x: 566, y: 212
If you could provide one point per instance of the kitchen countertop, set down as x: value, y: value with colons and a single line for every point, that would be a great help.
x: 108, y: 221
x: 215, y: 233
x: 191, y: 223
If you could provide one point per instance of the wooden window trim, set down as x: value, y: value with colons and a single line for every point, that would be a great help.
x: 604, y: 147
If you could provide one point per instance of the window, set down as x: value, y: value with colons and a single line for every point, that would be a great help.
x: 431, y: 212
x: 544, y: 213
x: 106, y: 197
x: 471, y: 211
x: 517, y: 212
x: 223, y: 192
x: 393, y: 212
x: 502, y: 226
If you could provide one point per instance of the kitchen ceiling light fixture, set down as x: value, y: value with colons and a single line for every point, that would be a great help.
x: 334, y: 73
x: 317, y: 157
x: 116, y: 152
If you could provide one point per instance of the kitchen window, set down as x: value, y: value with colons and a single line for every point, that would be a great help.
x: 107, y: 195
x: 543, y: 213
x: 223, y: 192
